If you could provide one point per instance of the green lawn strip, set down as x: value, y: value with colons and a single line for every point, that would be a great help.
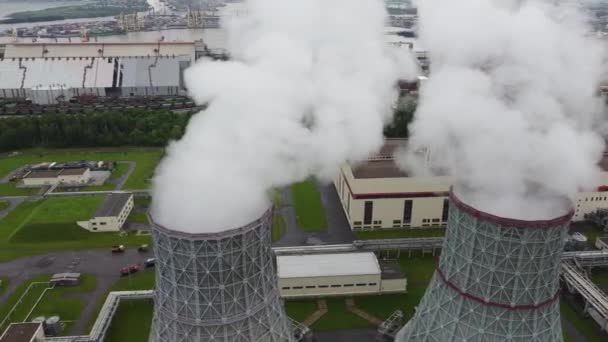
x: 146, y: 160
x: 3, y: 205
x: 67, y: 209
x: 138, y: 216
x: 132, y: 321
x: 418, y: 271
x: 56, y: 302
x: 27, y: 302
x: 591, y: 231
x: 11, y: 189
x: 4, y: 281
x: 399, y: 233
x: 584, y: 325
x: 599, y: 276
x: 103, y: 187
x: 143, y: 201
x: 13, y: 221
x: 567, y: 338
x: 300, y: 310
x: 307, y: 204
x: 119, y: 170
x: 338, y: 317
x: 278, y: 226
x: 143, y: 280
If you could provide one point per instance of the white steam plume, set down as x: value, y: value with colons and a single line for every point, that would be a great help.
x: 510, y: 104
x: 310, y: 86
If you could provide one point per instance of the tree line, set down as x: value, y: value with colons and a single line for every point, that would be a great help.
x: 134, y: 127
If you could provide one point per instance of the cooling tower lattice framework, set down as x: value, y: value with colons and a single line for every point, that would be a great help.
x: 497, y: 280
x: 217, y: 287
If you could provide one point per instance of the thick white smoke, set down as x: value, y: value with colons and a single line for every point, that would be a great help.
x: 310, y: 86
x: 510, y: 104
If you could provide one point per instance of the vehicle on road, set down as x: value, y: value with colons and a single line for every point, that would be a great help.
x: 125, y: 271
x: 143, y: 248
x: 118, y: 249
x: 150, y: 262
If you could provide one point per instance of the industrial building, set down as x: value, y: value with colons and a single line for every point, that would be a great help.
x: 340, y: 274
x: 378, y: 194
x: 217, y: 286
x: 111, y: 215
x: 23, y: 332
x: 68, y: 177
x: 497, y: 279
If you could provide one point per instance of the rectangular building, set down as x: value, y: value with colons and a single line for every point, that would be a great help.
x: 341, y: 274
x: 377, y: 194
x: 72, y: 177
x: 111, y: 214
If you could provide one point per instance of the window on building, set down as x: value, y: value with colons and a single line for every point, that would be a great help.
x: 348, y: 204
x: 94, y: 223
x: 323, y: 286
x: 297, y: 287
x: 102, y: 223
x: 95, y: 228
x: 361, y: 284
x: 357, y: 223
x: 396, y: 221
x: 425, y: 220
x: 285, y: 288
x: 435, y: 220
x: 368, y: 212
x: 336, y: 286
x: 446, y: 208
x: 407, y: 211
x: 372, y: 284
x: 349, y: 285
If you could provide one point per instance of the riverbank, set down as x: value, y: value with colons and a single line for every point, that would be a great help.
x: 71, y: 12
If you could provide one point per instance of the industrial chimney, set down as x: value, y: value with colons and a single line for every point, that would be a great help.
x: 497, y: 280
x: 217, y: 286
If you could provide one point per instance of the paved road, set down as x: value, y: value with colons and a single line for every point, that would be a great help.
x: 103, y: 265
x: 338, y: 230
x: 120, y: 182
x: 13, y: 202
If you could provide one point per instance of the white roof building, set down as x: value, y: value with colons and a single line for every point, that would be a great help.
x: 325, y: 265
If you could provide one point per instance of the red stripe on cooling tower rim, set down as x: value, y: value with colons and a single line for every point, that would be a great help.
x: 499, y: 305
x: 504, y: 221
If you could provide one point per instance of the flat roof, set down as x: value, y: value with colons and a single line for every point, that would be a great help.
x: 391, y: 269
x: 20, y: 332
x: 74, y: 172
x: 327, y: 265
x: 379, y: 169
x: 55, y: 173
x: 113, y: 204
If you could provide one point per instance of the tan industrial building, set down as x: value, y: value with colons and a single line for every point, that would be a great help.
x: 23, y: 332
x: 111, y: 214
x: 377, y: 194
x: 340, y: 274
x: 79, y: 176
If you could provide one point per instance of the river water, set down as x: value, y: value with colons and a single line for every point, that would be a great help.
x: 9, y: 7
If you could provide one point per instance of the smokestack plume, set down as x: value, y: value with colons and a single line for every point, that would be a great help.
x: 510, y: 105
x: 310, y: 86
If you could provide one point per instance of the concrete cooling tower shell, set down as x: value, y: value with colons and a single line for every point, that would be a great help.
x: 217, y: 287
x: 497, y: 280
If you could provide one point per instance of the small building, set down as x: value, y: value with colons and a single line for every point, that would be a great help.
x: 73, y: 177
x: 341, y: 274
x: 23, y: 332
x: 111, y: 214
x: 65, y: 279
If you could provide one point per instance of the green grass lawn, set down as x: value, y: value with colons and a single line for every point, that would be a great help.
x: 4, y: 281
x: 132, y: 321
x: 418, y: 271
x: 300, y: 310
x: 399, y: 233
x: 11, y: 189
x: 585, y: 325
x: 138, y: 216
x: 27, y: 302
x: 591, y: 231
x: 143, y: 280
x: 278, y: 226
x: 145, y: 158
x: 307, y: 204
x: 3, y: 205
x: 337, y: 317
x: 104, y: 187
x: 49, y: 225
x: 143, y: 201
x: 119, y: 170
x: 57, y: 302
x: 599, y: 275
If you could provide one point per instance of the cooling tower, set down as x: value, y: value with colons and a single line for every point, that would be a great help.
x: 217, y: 286
x: 497, y: 280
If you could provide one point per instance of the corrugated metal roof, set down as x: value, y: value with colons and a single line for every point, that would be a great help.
x: 113, y: 204
x: 151, y: 72
x: 325, y: 265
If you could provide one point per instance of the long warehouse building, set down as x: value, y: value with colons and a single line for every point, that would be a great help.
x: 377, y: 194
